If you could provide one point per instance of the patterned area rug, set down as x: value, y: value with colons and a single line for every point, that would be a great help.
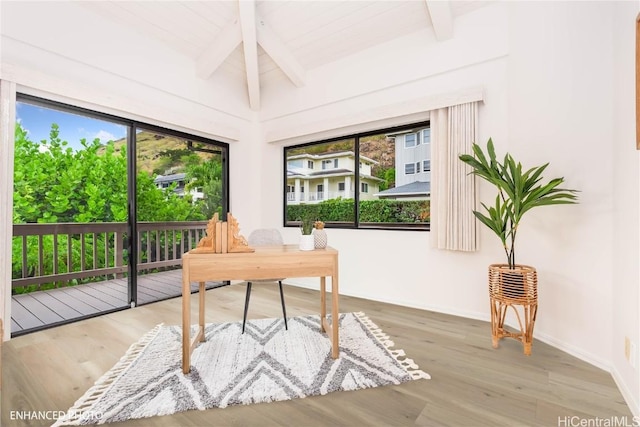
x: 266, y: 363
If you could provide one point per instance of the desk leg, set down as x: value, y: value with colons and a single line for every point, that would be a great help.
x: 201, y: 311
x: 186, y: 320
x: 323, y: 302
x: 335, y: 317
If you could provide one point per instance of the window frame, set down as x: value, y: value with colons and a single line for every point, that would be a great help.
x: 356, y: 181
x: 416, y: 140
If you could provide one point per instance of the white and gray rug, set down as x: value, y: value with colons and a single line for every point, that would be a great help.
x: 266, y: 363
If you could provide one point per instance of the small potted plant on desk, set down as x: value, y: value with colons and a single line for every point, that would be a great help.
x: 307, y: 242
x: 519, y: 191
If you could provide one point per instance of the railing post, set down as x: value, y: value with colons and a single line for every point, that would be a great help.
x: 119, y: 241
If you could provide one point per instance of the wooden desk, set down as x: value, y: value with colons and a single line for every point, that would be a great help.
x: 265, y: 263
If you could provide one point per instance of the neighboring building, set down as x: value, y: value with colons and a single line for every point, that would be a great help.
x: 165, y: 181
x: 313, y: 178
x: 413, y: 165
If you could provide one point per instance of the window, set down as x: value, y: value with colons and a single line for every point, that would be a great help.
x: 310, y: 164
x: 410, y: 140
x: 409, y: 168
x: 385, y: 195
x: 426, y: 136
x: 426, y: 166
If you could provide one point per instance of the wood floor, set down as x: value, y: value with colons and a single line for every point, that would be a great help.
x: 45, y: 308
x: 472, y: 384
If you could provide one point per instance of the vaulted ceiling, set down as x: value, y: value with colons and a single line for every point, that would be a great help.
x: 263, y: 40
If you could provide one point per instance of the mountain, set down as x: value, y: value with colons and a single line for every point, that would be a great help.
x: 159, y: 154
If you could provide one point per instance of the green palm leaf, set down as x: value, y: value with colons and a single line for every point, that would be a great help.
x: 518, y: 192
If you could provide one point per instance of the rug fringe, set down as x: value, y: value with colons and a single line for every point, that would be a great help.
x: 75, y: 414
x: 411, y: 367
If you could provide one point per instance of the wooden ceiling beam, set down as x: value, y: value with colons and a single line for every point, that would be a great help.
x: 247, y: 12
x: 280, y: 54
x: 441, y: 18
x: 226, y: 42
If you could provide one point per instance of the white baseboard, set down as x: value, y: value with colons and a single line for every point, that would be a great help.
x: 632, y: 399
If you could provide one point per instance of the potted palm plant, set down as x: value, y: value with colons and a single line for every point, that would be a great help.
x: 519, y: 191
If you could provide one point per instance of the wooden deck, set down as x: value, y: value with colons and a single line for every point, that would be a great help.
x: 41, y: 309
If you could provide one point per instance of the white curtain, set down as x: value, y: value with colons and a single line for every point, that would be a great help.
x: 453, y: 192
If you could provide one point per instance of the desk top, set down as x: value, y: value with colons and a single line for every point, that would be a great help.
x: 265, y: 250
x: 266, y: 262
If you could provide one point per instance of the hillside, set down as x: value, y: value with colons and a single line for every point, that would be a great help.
x: 162, y: 153
x: 159, y: 153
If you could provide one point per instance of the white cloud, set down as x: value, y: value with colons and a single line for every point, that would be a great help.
x: 105, y: 136
x: 19, y: 120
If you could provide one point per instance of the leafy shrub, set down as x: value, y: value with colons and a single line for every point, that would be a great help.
x: 371, y: 211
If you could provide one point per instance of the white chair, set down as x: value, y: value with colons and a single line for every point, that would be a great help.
x: 264, y: 237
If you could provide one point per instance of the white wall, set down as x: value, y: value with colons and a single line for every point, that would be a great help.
x: 560, y: 102
x: 626, y: 204
x: 554, y: 90
x: 549, y: 97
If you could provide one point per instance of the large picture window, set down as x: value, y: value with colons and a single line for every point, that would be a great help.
x: 369, y: 189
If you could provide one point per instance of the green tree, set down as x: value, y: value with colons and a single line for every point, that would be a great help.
x: 55, y: 184
x: 206, y: 176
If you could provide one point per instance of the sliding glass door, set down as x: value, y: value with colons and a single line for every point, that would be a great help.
x: 104, y: 208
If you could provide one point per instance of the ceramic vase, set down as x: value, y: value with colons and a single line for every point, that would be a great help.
x: 307, y: 242
x: 320, y: 238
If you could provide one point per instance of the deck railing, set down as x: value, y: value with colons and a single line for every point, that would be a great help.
x: 57, y: 254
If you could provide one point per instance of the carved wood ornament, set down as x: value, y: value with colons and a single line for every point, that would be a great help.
x: 222, y: 237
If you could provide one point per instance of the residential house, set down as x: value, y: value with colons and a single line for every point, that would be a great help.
x: 313, y: 178
x: 165, y: 181
x: 413, y: 165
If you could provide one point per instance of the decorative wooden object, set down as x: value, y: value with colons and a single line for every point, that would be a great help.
x: 222, y: 237
x: 638, y: 82
x: 236, y: 242
x: 516, y: 288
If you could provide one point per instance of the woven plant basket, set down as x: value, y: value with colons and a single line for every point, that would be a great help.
x: 515, y: 288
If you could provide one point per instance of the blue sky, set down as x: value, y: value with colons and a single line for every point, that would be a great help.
x: 37, y: 121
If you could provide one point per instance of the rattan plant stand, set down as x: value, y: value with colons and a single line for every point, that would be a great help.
x: 517, y: 289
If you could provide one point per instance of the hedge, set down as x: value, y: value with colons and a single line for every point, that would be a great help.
x: 376, y: 211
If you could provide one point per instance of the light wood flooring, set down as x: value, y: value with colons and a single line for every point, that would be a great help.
x: 472, y: 384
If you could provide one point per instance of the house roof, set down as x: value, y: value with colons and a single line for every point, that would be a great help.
x: 330, y: 173
x: 416, y: 188
x: 170, y: 178
x: 330, y: 155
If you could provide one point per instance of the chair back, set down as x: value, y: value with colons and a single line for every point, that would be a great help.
x: 264, y: 237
